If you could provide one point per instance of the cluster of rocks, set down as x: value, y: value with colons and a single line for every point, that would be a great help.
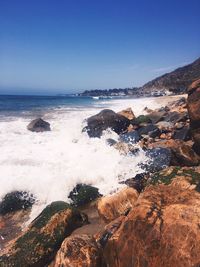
x: 166, y: 135
x: 153, y: 221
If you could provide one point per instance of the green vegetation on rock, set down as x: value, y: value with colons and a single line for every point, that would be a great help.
x: 37, y: 246
x: 142, y: 119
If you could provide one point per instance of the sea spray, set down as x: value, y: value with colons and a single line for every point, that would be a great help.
x: 50, y: 164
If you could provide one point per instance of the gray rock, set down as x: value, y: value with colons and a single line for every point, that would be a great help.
x: 157, y: 116
x: 182, y: 134
x: 104, y: 120
x: 39, y: 125
x: 150, y: 130
x: 130, y: 138
x: 176, y: 117
x: 159, y: 158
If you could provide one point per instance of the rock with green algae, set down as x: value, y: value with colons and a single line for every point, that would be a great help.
x: 141, y: 119
x: 38, y: 244
x: 82, y: 194
x: 16, y: 200
x: 167, y: 176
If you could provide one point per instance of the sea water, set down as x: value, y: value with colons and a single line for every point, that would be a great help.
x: 50, y: 164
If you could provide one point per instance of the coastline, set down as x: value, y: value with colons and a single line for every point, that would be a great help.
x: 132, y: 166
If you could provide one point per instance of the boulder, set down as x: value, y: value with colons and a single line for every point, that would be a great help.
x: 159, y: 158
x: 130, y: 138
x: 105, y: 234
x: 151, y: 130
x: 157, y: 116
x: 162, y: 229
x: 194, y: 113
x: 82, y: 194
x: 182, y: 153
x: 138, y: 182
x: 127, y: 113
x: 141, y: 119
x: 113, y: 206
x: 186, y: 177
x: 39, y: 125
x: 104, y: 120
x: 11, y: 225
x: 79, y: 251
x: 194, y: 86
x: 38, y: 244
x: 165, y: 126
x: 16, y: 200
x: 176, y: 116
x: 182, y: 134
x: 196, y: 137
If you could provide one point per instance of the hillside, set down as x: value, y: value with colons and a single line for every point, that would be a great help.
x: 175, y: 81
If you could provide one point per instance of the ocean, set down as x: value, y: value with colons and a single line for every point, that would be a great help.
x: 50, y: 164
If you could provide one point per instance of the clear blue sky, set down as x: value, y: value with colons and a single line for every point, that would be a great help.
x: 70, y: 45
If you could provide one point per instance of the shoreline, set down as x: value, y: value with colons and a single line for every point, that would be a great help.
x: 159, y: 135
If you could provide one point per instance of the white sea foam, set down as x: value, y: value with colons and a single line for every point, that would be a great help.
x: 50, y: 164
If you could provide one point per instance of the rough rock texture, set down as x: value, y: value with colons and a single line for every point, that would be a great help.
x: 159, y: 158
x: 79, y: 251
x: 130, y: 138
x: 157, y: 116
x: 141, y: 119
x: 128, y: 113
x: 194, y: 113
x: 162, y: 229
x: 83, y: 194
x: 175, y: 116
x: 16, y: 200
x: 182, y: 134
x: 126, y: 148
x: 182, y: 153
x: 11, y: 225
x: 39, y: 125
x: 111, y: 207
x: 151, y: 130
x: 104, y: 120
x: 37, y: 245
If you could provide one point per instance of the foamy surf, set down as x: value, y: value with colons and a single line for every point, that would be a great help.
x: 50, y: 164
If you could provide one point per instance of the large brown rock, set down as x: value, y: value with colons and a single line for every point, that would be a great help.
x: 38, y: 244
x: 162, y: 229
x: 194, y: 113
x: 79, y: 251
x: 113, y: 206
x: 195, y: 85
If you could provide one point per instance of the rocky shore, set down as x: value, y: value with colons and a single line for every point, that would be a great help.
x: 153, y: 221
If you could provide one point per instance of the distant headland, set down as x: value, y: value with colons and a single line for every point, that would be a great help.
x: 175, y: 82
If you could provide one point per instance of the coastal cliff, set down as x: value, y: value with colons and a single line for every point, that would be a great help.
x: 176, y: 81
